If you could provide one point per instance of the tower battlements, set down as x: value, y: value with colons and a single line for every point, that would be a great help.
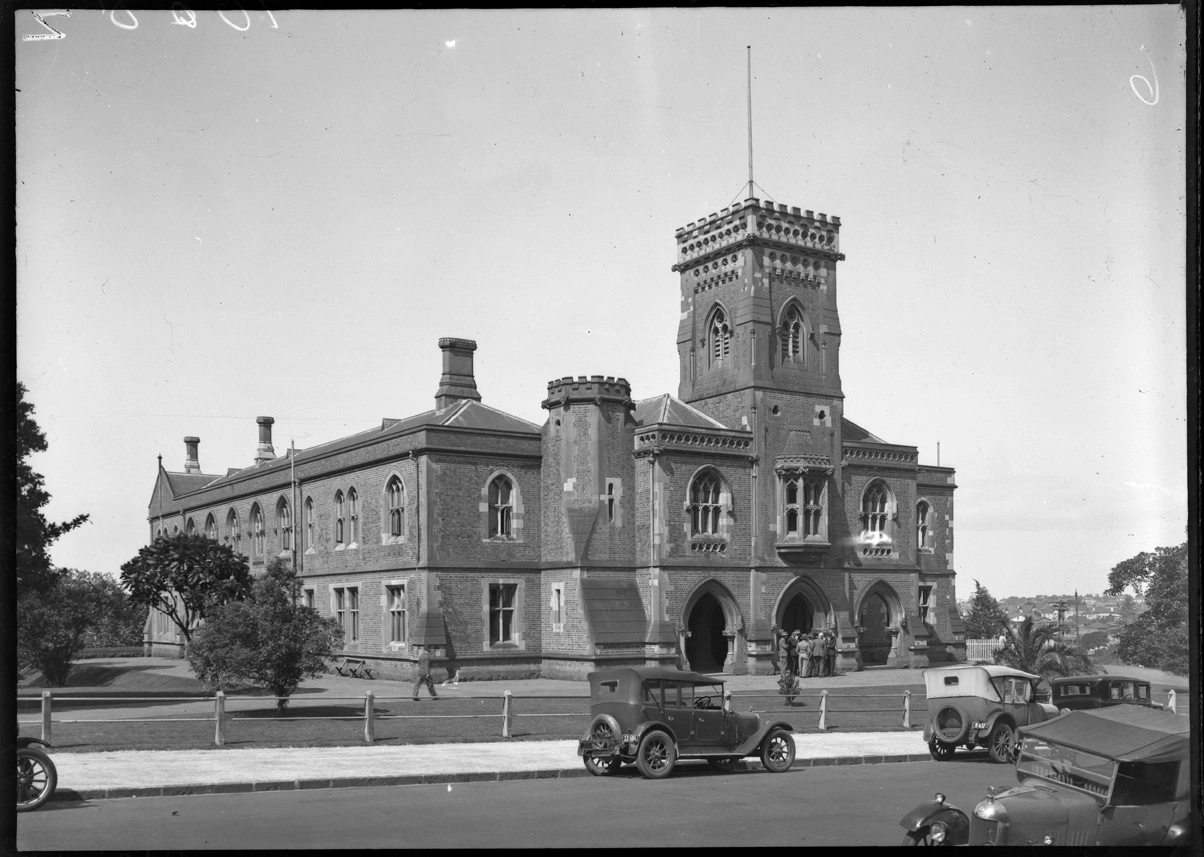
x: 595, y: 389
x: 764, y: 222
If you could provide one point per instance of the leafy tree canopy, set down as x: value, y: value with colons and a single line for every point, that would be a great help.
x: 1157, y: 638
x: 269, y: 640
x: 985, y: 619
x: 53, y: 623
x: 185, y: 576
x: 34, y: 533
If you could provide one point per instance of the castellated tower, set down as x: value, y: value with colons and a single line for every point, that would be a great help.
x: 588, y: 481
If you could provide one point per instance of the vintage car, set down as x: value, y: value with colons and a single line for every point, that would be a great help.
x: 1074, y: 693
x: 653, y: 716
x: 980, y: 705
x: 1113, y: 776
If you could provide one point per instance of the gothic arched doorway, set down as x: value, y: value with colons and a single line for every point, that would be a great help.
x: 876, y: 641
x: 707, y: 645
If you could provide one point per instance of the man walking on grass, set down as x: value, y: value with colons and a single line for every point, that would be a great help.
x: 423, y: 674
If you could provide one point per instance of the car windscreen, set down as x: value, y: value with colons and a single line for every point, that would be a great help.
x: 1088, y: 772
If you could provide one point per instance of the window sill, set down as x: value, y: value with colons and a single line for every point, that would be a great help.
x: 354, y: 546
x: 340, y: 547
x: 501, y: 539
x: 802, y: 546
x: 310, y: 551
x: 392, y: 540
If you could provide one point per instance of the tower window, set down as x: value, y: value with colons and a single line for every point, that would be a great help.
x: 804, y: 508
x: 924, y: 534
x: 501, y: 508
x: 396, y: 493
x: 792, y: 336
x: 877, y: 513
x: 705, y: 505
x: 720, y: 336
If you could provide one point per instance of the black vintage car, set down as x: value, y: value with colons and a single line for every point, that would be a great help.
x: 1074, y: 693
x: 653, y: 716
x: 1115, y: 776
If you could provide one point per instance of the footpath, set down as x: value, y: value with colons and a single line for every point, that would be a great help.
x: 156, y: 773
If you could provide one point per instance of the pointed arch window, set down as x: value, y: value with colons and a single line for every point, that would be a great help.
x: 706, y: 505
x: 309, y: 524
x: 190, y: 527
x: 233, y: 531
x: 340, y: 520
x: 353, y: 514
x: 211, y: 527
x: 924, y: 533
x: 793, y: 335
x: 257, y: 531
x: 284, y: 523
x: 396, y: 494
x: 720, y: 335
x: 877, y: 516
x: 501, y: 507
x: 804, y: 508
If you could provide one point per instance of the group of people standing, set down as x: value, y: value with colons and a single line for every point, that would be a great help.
x: 806, y: 655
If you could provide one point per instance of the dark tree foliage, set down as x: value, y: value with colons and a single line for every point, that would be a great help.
x: 269, y: 640
x: 34, y: 534
x: 985, y: 619
x: 1158, y: 637
x: 118, y: 621
x: 185, y: 576
x: 1036, y: 648
x: 56, y: 620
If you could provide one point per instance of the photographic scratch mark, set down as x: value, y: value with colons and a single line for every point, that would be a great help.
x: 102, y: 286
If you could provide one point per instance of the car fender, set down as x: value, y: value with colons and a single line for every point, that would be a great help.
x: 609, y: 721
x: 991, y: 721
x: 956, y: 822
x: 652, y: 726
x: 24, y: 741
x: 752, y: 743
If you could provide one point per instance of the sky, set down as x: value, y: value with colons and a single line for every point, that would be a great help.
x: 225, y: 216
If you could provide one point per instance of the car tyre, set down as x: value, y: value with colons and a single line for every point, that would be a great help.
x: 603, y: 730
x: 36, y: 779
x: 656, y: 755
x: 777, y: 753
x: 923, y: 836
x: 1002, y: 743
x: 941, y: 751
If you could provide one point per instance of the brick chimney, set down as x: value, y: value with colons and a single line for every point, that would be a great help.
x: 457, y: 382
x: 265, y: 451
x: 191, y: 463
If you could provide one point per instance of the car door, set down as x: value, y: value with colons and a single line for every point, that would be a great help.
x: 711, y: 725
x: 678, y: 711
x: 1142, y: 805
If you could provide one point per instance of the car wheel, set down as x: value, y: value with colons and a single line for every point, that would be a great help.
x: 777, y: 753
x: 36, y: 779
x: 603, y: 732
x: 940, y: 751
x: 656, y: 756
x: 923, y: 836
x: 1001, y: 744
x: 727, y: 764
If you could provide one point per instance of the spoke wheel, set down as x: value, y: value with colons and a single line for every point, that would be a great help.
x: 923, y: 836
x: 1001, y: 744
x: 940, y: 751
x: 36, y: 779
x: 604, y: 735
x: 777, y: 753
x: 656, y: 756
x: 727, y: 764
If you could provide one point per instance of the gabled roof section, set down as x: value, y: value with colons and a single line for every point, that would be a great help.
x: 851, y: 431
x: 474, y: 415
x: 669, y: 410
x: 182, y: 483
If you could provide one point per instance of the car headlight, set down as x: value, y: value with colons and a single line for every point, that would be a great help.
x: 939, y: 832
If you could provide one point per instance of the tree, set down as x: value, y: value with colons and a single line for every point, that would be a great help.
x: 34, y: 534
x: 118, y: 620
x: 1036, y: 648
x: 55, y: 621
x: 185, y: 576
x: 985, y: 619
x: 1158, y: 637
x: 270, y: 640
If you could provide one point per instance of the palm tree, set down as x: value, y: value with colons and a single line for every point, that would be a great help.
x: 1037, y: 648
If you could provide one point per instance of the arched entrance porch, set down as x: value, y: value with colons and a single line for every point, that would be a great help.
x: 803, y: 606
x: 711, y: 618
x: 878, y: 623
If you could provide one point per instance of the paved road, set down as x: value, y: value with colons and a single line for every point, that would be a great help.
x: 695, y: 807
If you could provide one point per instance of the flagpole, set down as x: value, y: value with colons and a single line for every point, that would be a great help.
x: 750, y: 137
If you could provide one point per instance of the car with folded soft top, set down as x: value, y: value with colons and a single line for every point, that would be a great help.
x: 980, y: 705
x: 1117, y: 776
x: 654, y: 716
x: 1077, y: 692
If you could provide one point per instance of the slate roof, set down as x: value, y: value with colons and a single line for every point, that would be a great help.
x: 182, y: 483
x: 851, y: 431
x: 670, y: 410
x: 465, y: 414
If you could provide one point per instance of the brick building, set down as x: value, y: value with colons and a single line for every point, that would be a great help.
x: 620, y: 529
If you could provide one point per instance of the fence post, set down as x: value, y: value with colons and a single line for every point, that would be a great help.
x: 219, y: 715
x: 823, y: 709
x: 907, y: 709
x: 1170, y: 703
x: 506, y: 715
x: 46, y: 716
x: 369, y: 718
